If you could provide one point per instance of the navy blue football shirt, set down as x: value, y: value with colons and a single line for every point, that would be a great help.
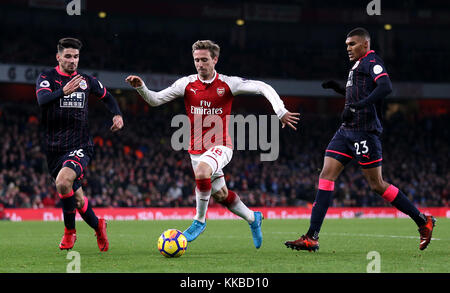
x: 361, y: 81
x: 65, y: 118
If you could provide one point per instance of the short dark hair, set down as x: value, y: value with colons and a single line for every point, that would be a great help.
x: 65, y: 43
x: 359, y: 31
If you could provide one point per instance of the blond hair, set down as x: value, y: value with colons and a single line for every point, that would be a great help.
x: 212, y: 47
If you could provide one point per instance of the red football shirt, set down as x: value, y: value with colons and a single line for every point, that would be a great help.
x: 208, y: 105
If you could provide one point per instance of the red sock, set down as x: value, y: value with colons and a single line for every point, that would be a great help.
x: 203, y: 185
x: 231, y: 198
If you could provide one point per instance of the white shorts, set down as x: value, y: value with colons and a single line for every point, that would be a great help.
x: 217, y: 158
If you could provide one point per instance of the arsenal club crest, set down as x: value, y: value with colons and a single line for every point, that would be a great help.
x: 220, y: 91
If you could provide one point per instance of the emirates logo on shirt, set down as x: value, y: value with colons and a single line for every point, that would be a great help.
x: 220, y: 91
x: 206, y: 111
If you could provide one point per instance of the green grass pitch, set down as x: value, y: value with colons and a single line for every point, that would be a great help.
x: 226, y: 247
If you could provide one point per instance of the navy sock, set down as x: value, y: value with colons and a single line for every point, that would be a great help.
x: 68, y: 206
x: 399, y: 200
x: 88, y: 215
x: 323, y: 200
x: 403, y: 204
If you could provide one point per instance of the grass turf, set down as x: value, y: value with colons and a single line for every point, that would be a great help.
x: 226, y: 246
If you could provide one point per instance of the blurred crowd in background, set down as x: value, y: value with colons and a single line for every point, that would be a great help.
x: 159, y: 41
x: 138, y: 167
x: 107, y: 51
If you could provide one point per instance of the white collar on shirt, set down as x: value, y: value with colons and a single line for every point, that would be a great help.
x: 208, y: 81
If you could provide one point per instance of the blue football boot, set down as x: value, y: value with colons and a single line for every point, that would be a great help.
x: 194, y: 230
x: 256, y: 229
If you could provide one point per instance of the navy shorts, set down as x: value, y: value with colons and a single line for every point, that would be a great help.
x: 363, y: 146
x: 76, y: 160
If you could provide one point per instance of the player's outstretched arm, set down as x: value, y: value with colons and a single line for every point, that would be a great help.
x: 135, y: 81
x: 155, y: 99
x: 290, y: 119
x: 243, y: 86
x: 331, y: 84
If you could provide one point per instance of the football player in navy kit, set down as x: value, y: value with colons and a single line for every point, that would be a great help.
x: 359, y: 138
x: 62, y: 95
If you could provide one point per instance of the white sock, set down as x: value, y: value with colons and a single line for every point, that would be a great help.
x: 202, y: 201
x: 240, y: 209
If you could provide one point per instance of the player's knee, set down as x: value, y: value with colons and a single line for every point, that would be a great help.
x: 328, y: 174
x: 63, y: 185
x: 80, y: 202
x: 203, y: 171
x: 377, y: 185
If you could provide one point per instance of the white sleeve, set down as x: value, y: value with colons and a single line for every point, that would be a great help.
x: 166, y: 95
x: 242, y: 86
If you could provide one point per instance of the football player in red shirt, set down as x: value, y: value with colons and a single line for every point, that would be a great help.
x: 208, y: 96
